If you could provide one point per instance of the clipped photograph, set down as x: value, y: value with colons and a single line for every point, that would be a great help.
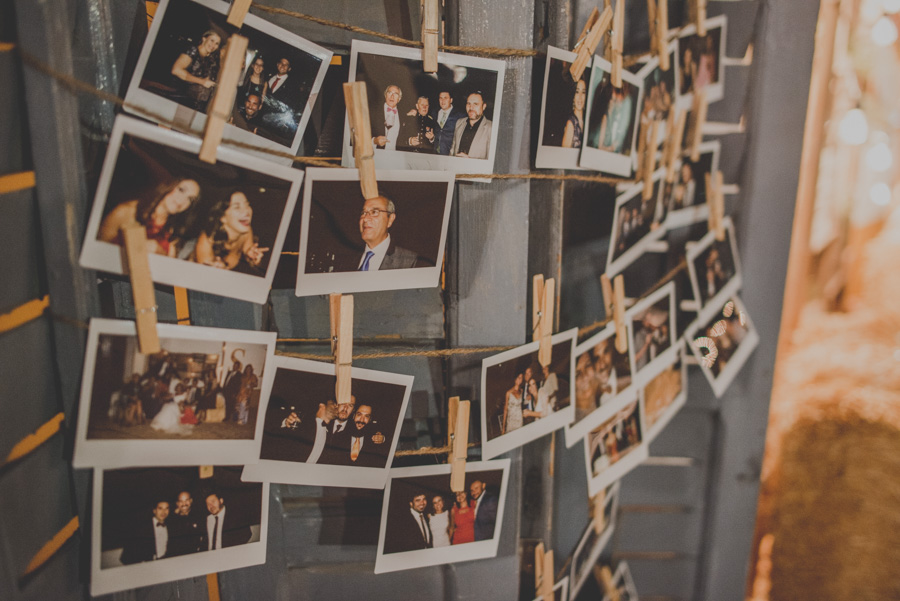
x: 593, y: 541
x: 661, y: 89
x: 439, y: 121
x: 615, y: 447
x: 425, y: 523
x: 562, y: 113
x: 198, y: 400
x: 714, y: 270
x: 700, y: 61
x: 612, y: 121
x: 651, y: 334
x: 523, y: 400
x: 685, y: 195
x: 637, y: 223
x: 625, y: 589
x: 723, y: 343
x: 310, y: 439
x: 214, y: 228
x: 393, y: 241
x: 602, y: 383
x: 159, y: 524
x: 665, y: 395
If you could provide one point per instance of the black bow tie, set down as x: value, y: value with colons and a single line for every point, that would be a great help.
x: 160, y: 525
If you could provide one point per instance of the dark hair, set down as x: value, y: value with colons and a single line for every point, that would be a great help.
x: 176, y: 225
x: 213, y: 227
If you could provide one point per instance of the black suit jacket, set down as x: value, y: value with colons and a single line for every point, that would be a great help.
x: 486, y: 517
x: 398, y: 257
x: 376, y: 117
x: 290, y: 92
x: 444, y: 139
x: 405, y: 533
x: 288, y: 444
x: 186, y: 534
x: 142, y: 545
x: 236, y: 530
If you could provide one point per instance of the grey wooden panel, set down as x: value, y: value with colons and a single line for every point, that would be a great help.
x: 19, y: 229
x: 665, y: 578
x: 13, y: 155
x: 659, y: 532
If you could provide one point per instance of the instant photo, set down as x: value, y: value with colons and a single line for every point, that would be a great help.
x: 685, y: 195
x: 444, y: 121
x: 521, y: 400
x: 562, y: 113
x: 611, y: 123
x: 651, y: 334
x: 199, y: 400
x: 623, y: 583
x: 214, y: 228
x: 393, y: 241
x: 661, y: 90
x: 592, y: 543
x: 615, y: 447
x: 714, y: 270
x: 425, y: 523
x: 159, y: 524
x: 723, y: 344
x: 602, y: 383
x: 309, y: 439
x: 178, y: 70
x: 700, y: 61
x: 665, y: 395
x: 637, y: 224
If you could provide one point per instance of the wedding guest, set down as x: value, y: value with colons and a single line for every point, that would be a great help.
x: 446, y: 119
x: 472, y: 136
x: 198, y: 68
x: 439, y: 522
x: 185, y: 527
x: 227, y: 241
x: 462, y: 516
x: 512, y: 408
x: 485, y: 510
x: 151, y: 537
x: 574, y: 132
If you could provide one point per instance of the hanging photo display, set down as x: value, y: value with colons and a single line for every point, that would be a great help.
x: 178, y: 70
x: 612, y: 120
x: 665, y: 395
x: 602, y: 383
x: 651, y: 334
x: 661, y: 89
x: 615, y: 447
x: 522, y: 400
x: 443, y: 121
x: 685, y: 195
x: 563, y: 109
x: 592, y: 542
x: 392, y: 241
x: 425, y: 523
x: 637, y: 224
x: 723, y: 342
x: 199, y: 400
x: 715, y: 270
x: 700, y: 61
x: 214, y: 228
x: 310, y: 439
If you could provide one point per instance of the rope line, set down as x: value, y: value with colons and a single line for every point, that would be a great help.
x: 445, y: 450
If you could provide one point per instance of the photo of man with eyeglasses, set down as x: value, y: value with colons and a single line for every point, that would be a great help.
x: 381, y: 252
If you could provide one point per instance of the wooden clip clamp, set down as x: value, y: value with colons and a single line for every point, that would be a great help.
x: 223, y: 98
x: 662, y: 34
x: 543, y: 573
x: 342, y: 343
x: 617, y: 41
x: 607, y: 289
x: 543, y: 295
x: 673, y: 142
x: 699, y: 13
x: 597, y: 518
x: 594, y: 30
x: 431, y: 20
x: 618, y: 299
x: 715, y: 200
x: 361, y: 129
x: 458, y: 440
x: 238, y: 11
x: 604, y: 577
x: 135, y: 237
x: 698, y: 120
x: 649, y: 163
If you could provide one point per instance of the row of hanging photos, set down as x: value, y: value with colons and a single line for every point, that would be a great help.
x: 341, y: 306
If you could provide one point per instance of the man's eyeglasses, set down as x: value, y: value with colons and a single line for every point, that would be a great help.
x: 374, y: 213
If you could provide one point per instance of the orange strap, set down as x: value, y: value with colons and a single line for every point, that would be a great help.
x: 23, y: 314
x: 33, y: 441
x: 16, y: 181
x: 212, y: 583
x: 52, y: 546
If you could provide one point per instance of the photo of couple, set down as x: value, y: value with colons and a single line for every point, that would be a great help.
x: 562, y: 112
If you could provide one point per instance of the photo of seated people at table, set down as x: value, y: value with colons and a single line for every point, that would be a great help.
x: 615, y: 447
x: 700, y: 61
x: 524, y: 400
x: 714, y: 268
x: 214, y: 228
x: 311, y: 439
x: 724, y: 343
x: 685, y: 195
x: 160, y: 524
x: 562, y: 112
x: 424, y: 522
x: 202, y: 392
x: 179, y: 69
x: 394, y: 240
x: 419, y: 120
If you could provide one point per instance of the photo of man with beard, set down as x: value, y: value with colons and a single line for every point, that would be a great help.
x: 361, y: 444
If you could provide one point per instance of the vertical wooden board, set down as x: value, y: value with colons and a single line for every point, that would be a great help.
x: 19, y: 230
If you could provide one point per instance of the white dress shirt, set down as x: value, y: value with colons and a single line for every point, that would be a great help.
x: 391, y: 116
x: 211, y: 525
x: 162, y: 539
x: 380, y: 251
x: 276, y: 82
x: 319, y: 442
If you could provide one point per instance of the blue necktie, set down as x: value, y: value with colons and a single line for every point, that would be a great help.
x: 365, y: 264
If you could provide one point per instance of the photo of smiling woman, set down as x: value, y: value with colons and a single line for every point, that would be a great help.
x: 228, y: 241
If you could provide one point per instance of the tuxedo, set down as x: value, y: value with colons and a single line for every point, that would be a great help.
x: 294, y: 443
x: 485, y: 516
x: 481, y: 142
x: 186, y: 534
x: 142, y: 545
x: 226, y: 531
x: 369, y: 455
x: 406, y: 532
x: 417, y: 127
x: 379, y: 116
x: 444, y: 133
x: 287, y: 91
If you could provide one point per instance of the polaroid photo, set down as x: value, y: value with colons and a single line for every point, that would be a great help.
x: 178, y: 68
x: 637, y: 224
x: 624, y: 584
x: 592, y: 543
x: 198, y: 401
x: 651, y: 334
x: 612, y: 121
x: 424, y: 523
x: 560, y: 591
x: 396, y: 241
x: 214, y: 228
x: 665, y: 395
x: 158, y: 524
x: 715, y: 271
x: 602, y: 383
x: 685, y: 196
x: 615, y: 447
x: 700, y: 61
x: 723, y: 343
x: 522, y: 401
x: 562, y: 113
x: 309, y: 439
x: 661, y: 90
x: 439, y: 121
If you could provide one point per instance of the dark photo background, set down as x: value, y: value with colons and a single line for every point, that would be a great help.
x: 560, y: 94
x: 690, y: 48
x: 726, y: 261
x: 642, y: 214
x: 599, y: 108
x: 699, y: 169
x: 333, y: 238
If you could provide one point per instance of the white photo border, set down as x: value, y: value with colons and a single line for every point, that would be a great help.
x: 615, y: 472
x: 668, y: 356
x: 617, y: 265
x: 612, y: 496
x: 622, y: 576
x: 716, y: 91
x: 676, y: 404
x: 731, y: 287
x: 698, y: 212
x: 562, y: 587
x: 556, y: 157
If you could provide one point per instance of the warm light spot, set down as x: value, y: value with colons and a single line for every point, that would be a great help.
x: 854, y: 128
x: 717, y: 329
x: 880, y: 194
x: 884, y: 32
x: 712, y: 353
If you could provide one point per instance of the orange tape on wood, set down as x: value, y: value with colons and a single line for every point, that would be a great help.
x: 16, y: 181
x: 33, y: 441
x: 182, y: 307
x: 212, y: 584
x: 23, y: 314
x: 52, y: 546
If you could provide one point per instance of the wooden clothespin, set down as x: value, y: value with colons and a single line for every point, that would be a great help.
x: 594, y: 30
x: 673, y: 142
x: 238, y: 11
x: 458, y: 440
x: 597, y: 518
x: 699, y: 13
x: 614, y: 298
x: 206, y: 471
x: 649, y: 163
x: 431, y: 20
x: 543, y: 573
x: 543, y: 295
x: 361, y: 129
x: 342, y: 343
x: 616, y: 43
x: 141, y: 287
x: 604, y: 577
x: 608, y: 299
x: 223, y: 98
x: 715, y: 201
x: 662, y: 34
x: 698, y: 119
